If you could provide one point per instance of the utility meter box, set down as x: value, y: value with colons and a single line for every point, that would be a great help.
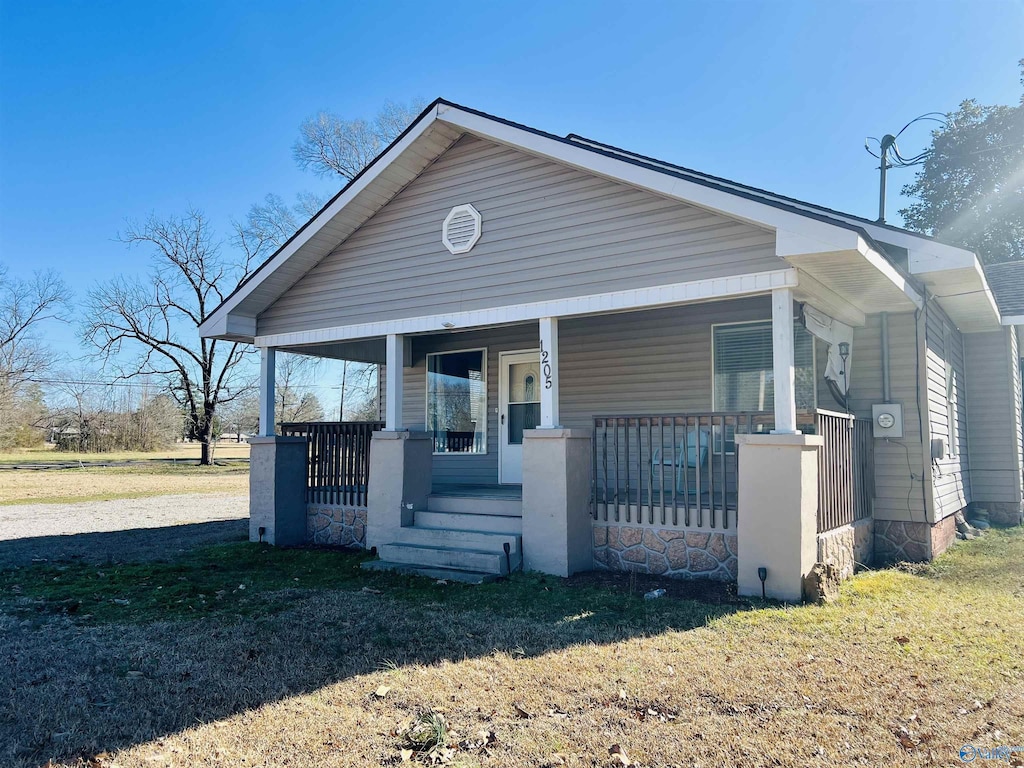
x: 887, y: 420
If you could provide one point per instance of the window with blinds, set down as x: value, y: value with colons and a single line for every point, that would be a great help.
x: 743, y: 370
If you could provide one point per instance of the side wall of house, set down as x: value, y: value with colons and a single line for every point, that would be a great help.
x: 657, y: 361
x: 899, y: 464
x: 994, y: 433
x: 548, y: 232
x: 951, y: 476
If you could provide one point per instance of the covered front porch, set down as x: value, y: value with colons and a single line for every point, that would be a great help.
x: 606, y: 440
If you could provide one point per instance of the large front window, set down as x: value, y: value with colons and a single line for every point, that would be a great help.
x: 744, y: 369
x: 457, y: 401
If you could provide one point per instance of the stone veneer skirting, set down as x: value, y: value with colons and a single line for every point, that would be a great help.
x: 668, y: 552
x: 1000, y: 512
x: 848, y: 547
x: 897, y: 541
x: 336, y: 525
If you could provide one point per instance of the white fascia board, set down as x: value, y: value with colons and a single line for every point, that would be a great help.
x: 208, y: 328
x: 577, y: 306
x: 887, y: 268
x: 822, y: 235
x: 1012, y: 320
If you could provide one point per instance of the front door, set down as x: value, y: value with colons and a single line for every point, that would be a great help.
x: 518, y: 409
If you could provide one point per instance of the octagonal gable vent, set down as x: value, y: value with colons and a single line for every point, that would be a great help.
x: 462, y: 228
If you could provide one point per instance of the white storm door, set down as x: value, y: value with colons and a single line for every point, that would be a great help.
x: 518, y: 409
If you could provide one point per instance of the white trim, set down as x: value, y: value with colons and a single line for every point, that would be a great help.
x: 549, y: 373
x: 395, y: 379
x: 784, y: 362
x: 593, y: 304
x: 477, y: 231
x: 267, y: 397
x: 214, y: 321
x: 426, y: 399
x: 1013, y: 320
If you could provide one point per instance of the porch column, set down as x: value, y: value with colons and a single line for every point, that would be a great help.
x: 549, y: 373
x: 277, y: 472
x: 267, y: 399
x: 784, y: 362
x: 395, y: 361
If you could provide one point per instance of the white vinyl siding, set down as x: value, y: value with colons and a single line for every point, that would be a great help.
x: 947, y: 412
x: 993, y: 400
x: 549, y: 232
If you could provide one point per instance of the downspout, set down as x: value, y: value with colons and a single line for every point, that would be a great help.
x: 886, y: 389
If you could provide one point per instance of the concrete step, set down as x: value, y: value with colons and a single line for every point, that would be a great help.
x: 448, y: 574
x: 449, y: 557
x: 475, y: 505
x: 429, y: 536
x: 469, y: 522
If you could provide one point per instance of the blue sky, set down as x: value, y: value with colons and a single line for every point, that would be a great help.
x: 114, y: 110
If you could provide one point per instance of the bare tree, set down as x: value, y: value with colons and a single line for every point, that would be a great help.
x: 24, y: 306
x: 156, y: 320
x: 329, y: 144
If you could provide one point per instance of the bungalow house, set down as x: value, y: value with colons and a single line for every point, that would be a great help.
x: 594, y: 359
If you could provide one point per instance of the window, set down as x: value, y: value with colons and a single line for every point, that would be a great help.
x: 457, y: 401
x: 744, y: 378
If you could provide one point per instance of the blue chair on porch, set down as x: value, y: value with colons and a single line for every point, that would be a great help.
x: 684, y: 460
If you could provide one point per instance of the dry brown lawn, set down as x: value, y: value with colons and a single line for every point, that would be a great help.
x: 31, y: 486
x: 314, y: 663
x: 224, y: 450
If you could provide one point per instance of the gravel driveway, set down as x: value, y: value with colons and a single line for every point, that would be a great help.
x: 123, y: 529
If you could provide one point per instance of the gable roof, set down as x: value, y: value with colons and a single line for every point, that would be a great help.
x: 801, y: 227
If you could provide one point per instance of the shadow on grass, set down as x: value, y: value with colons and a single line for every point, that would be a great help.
x: 136, y: 544
x: 100, y: 658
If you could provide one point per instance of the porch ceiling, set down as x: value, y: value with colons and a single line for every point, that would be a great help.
x: 848, y: 286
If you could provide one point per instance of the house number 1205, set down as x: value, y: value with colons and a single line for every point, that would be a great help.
x: 545, y: 367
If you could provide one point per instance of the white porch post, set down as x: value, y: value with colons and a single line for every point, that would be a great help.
x: 784, y: 362
x: 267, y: 399
x: 549, y: 373
x: 395, y: 361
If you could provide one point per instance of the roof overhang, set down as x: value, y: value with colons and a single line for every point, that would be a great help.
x: 954, y: 276
x: 837, y: 255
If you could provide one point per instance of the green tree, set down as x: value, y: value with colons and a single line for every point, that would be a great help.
x: 970, y: 190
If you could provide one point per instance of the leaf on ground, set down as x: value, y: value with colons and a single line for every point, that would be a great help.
x: 902, y: 639
x: 407, y: 755
x: 619, y: 756
x: 371, y: 590
x: 382, y: 691
x: 520, y: 712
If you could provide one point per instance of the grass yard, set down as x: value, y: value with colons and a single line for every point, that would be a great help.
x: 31, y: 486
x: 241, y: 655
x: 225, y: 450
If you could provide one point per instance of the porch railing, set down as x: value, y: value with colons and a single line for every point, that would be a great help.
x: 337, y: 459
x: 670, y: 469
x: 846, y: 474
